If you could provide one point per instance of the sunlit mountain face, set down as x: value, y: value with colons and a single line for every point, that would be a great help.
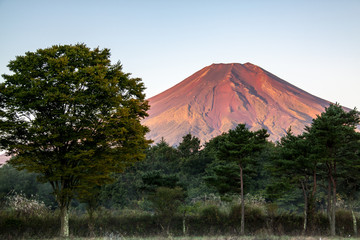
x: 220, y: 96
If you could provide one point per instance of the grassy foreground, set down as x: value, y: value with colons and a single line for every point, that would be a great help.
x: 114, y: 237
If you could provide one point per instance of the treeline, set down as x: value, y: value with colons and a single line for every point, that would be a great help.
x: 237, y: 183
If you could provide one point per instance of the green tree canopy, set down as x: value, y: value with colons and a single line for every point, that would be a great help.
x: 335, y: 143
x: 14, y: 181
x: 70, y: 115
x: 239, y: 146
x: 152, y: 180
x: 295, y: 167
x: 189, y: 146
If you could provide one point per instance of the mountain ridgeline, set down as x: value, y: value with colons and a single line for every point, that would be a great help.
x: 220, y: 96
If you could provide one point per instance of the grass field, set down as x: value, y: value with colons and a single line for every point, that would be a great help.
x: 215, y: 238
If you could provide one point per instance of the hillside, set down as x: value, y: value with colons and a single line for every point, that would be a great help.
x: 220, y: 96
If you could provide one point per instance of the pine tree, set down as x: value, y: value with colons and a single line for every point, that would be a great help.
x: 239, y: 147
x: 335, y: 143
x: 294, y: 167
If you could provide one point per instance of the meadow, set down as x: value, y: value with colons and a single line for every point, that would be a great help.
x: 205, y: 221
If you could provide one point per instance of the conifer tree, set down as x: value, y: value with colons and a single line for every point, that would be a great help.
x: 189, y: 146
x: 239, y: 147
x: 335, y: 143
x: 294, y: 167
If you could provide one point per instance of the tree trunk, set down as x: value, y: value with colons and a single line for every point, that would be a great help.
x: 311, y: 212
x: 91, y: 223
x: 64, y: 230
x: 328, y: 208
x: 315, y: 184
x: 354, y: 222
x: 184, y: 227
x: 305, y: 208
x: 242, y: 231
x: 333, y: 209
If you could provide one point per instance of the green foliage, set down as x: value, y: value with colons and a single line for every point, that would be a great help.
x: 223, y: 176
x: 190, y: 145
x: 326, y: 155
x: 161, y: 157
x: 239, y: 147
x: 128, y: 188
x: 336, y: 144
x: 206, y: 220
x: 193, y: 168
x: 166, y: 201
x: 295, y: 167
x: 12, y: 180
x: 241, y: 143
x: 69, y: 115
x: 123, y: 192
x: 25, y: 207
x: 155, y: 179
x: 212, y: 215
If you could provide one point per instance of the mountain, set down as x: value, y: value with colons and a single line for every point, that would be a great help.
x: 220, y: 96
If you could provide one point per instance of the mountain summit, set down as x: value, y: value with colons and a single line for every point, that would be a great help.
x: 220, y: 96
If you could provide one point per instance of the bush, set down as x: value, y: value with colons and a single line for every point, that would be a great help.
x: 166, y: 202
x: 207, y: 220
x: 26, y: 207
x: 13, y: 226
x: 254, y: 218
x: 344, y: 222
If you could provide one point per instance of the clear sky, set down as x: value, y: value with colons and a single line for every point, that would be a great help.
x: 313, y: 44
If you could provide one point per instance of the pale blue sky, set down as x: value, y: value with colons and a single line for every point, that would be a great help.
x: 313, y: 44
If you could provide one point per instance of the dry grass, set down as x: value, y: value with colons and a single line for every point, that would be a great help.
x: 212, y: 238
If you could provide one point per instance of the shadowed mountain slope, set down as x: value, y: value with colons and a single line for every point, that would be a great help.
x: 220, y: 96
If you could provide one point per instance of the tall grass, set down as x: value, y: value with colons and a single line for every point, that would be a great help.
x: 207, y: 219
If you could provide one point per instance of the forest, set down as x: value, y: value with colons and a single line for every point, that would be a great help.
x: 237, y: 183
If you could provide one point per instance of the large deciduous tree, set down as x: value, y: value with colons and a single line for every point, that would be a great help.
x: 70, y: 115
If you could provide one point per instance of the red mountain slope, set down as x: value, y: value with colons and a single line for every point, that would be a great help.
x: 220, y: 96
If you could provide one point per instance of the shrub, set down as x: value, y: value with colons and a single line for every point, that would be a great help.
x: 211, y: 215
x: 254, y: 217
x: 344, y: 222
x: 26, y: 207
x: 166, y: 202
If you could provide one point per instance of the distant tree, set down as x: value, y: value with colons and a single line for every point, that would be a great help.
x: 24, y: 182
x: 154, y: 179
x: 189, y: 146
x: 259, y: 172
x: 162, y: 157
x: 336, y: 144
x: 294, y: 167
x: 161, y: 160
x: 240, y: 146
x: 195, y: 164
x: 350, y: 190
x: 72, y: 117
x: 224, y: 177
